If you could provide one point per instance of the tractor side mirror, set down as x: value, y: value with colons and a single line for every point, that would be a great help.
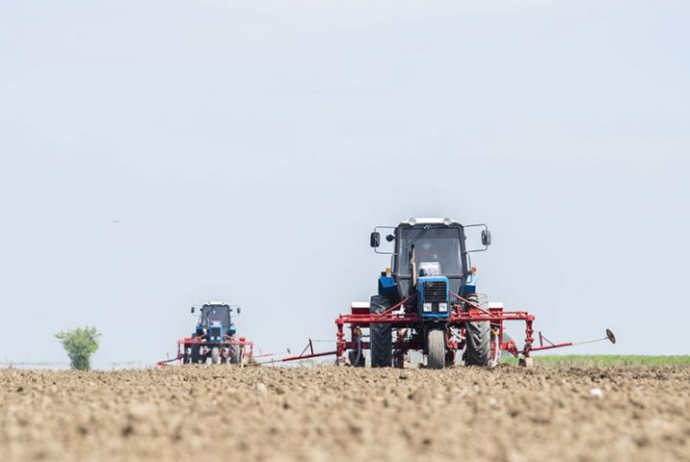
x: 192, y: 310
x: 375, y: 239
x: 239, y: 310
x: 486, y: 238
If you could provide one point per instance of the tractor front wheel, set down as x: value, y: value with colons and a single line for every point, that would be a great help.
x: 436, y: 348
x: 215, y: 355
x: 380, y: 334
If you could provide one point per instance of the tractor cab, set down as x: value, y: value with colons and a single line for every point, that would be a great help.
x: 215, y: 321
x: 418, y: 294
x: 429, y: 258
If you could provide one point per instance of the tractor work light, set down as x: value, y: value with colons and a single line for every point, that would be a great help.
x: 443, y: 307
x: 427, y: 307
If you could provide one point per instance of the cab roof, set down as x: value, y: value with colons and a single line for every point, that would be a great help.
x: 429, y: 221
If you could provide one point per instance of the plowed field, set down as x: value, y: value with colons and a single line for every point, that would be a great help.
x: 329, y: 413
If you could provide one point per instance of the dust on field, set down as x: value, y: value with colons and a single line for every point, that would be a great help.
x: 329, y: 413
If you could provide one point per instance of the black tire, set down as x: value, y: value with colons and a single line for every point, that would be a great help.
x: 235, y: 354
x: 215, y: 355
x: 436, y: 348
x: 398, y: 359
x: 356, y: 360
x: 478, y: 350
x: 380, y: 334
x: 356, y: 354
x: 195, y: 355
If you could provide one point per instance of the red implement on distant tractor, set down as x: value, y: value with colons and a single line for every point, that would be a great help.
x: 215, y: 338
x: 230, y: 350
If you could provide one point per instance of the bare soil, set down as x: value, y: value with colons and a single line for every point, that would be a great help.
x: 329, y: 413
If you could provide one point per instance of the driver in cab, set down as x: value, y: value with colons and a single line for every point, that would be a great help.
x: 429, y: 260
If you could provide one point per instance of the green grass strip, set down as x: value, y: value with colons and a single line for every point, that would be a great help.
x: 607, y: 360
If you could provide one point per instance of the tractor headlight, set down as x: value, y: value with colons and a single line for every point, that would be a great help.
x: 427, y: 307
x: 443, y: 307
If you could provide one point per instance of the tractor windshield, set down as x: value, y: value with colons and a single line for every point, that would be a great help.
x: 215, y: 314
x: 437, y: 251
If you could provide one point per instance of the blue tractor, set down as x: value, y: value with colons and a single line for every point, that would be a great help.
x: 425, y: 296
x: 215, y: 336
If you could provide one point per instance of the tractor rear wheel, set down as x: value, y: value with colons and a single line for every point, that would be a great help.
x: 380, y: 334
x: 215, y: 355
x: 478, y: 350
x: 195, y: 354
x: 436, y: 348
x: 235, y: 354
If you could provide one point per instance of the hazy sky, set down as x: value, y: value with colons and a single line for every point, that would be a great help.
x: 158, y: 154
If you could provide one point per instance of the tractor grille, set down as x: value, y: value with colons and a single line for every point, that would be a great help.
x: 435, y: 291
x: 215, y: 334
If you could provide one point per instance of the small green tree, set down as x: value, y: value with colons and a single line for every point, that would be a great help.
x: 80, y: 344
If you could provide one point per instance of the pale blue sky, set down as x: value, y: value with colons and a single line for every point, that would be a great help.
x: 247, y: 149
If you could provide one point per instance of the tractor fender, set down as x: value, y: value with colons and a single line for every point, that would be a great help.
x: 387, y: 286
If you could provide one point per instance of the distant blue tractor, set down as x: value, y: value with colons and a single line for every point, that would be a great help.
x: 215, y: 336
